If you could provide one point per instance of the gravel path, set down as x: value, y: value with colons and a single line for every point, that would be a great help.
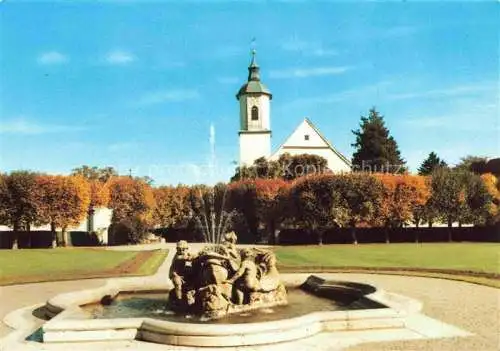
x: 471, y: 307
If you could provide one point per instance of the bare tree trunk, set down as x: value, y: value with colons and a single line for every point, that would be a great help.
x: 386, y: 232
x: 90, y: 220
x: 64, y: 235
x: 354, y: 236
x: 450, y: 223
x: 320, y: 236
x: 54, y: 235
x: 28, y: 231
x: 272, y: 232
x: 15, y: 234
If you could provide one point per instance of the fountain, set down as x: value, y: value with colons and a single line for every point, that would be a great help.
x: 222, y: 295
x: 223, y: 280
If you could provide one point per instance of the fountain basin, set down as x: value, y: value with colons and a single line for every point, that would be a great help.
x: 73, y: 323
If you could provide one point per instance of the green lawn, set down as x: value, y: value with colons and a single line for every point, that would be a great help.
x: 21, y: 266
x: 478, y: 257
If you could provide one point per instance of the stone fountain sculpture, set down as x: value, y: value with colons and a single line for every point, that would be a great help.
x: 222, y: 279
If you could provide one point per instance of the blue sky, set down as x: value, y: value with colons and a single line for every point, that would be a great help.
x: 138, y: 85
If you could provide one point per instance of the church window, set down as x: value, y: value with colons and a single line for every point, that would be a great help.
x: 255, y: 113
x: 306, y: 137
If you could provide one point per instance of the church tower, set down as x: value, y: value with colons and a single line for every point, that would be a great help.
x: 255, y: 124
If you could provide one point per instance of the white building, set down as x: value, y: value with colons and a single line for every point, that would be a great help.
x: 98, y: 222
x: 255, y: 129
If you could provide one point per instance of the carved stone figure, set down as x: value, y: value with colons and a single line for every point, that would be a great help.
x: 181, y: 269
x: 245, y: 280
x: 228, y: 249
x: 213, y: 302
x: 222, y: 279
x: 269, y: 275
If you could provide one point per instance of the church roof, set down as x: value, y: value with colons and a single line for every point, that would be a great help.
x: 253, y: 85
x: 325, y: 140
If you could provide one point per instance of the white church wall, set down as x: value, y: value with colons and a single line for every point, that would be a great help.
x: 305, y: 139
x: 102, y: 221
x: 253, y: 146
x: 298, y: 139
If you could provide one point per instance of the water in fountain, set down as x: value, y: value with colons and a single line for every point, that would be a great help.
x: 208, y: 207
x: 208, y: 203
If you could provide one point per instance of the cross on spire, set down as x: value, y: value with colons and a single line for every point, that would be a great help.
x: 253, y: 69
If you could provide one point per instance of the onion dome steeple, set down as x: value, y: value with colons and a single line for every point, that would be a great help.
x: 253, y: 85
x: 253, y: 69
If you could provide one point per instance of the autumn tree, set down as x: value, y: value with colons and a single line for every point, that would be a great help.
x: 98, y: 179
x: 19, y: 204
x: 362, y: 194
x: 402, y: 196
x: 132, y: 201
x: 268, y: 196
x: 172, y: 205
x: 64, y: 202
x: 430, y: 164
x: 318, y: 204
x: 423, y: 212
x: 259, y: 202
x: 492, y: 185
x: 376, y: 149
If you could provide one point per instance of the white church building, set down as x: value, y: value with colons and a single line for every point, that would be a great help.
x: 255, y: 129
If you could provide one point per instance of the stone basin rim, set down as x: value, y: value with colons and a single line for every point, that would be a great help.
x: 63, y: 329
x: 60, y: 323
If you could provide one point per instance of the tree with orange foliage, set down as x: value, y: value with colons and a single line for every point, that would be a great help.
x: 19, y: 205
x: 313, y: 200
x: 402, y: 195
x: 133, y: 202
x: 172, y: 205
x: 268, y: 196
x: 492, y: 185
x: 258, y: 201
x: 130, y: 197
x: 99, y: 194
x: 98, y: 179
x: 64, y: 202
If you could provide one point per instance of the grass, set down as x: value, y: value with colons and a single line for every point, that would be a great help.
x: 473, y: 262
x: 36, y: 265
x: 151, y: 265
